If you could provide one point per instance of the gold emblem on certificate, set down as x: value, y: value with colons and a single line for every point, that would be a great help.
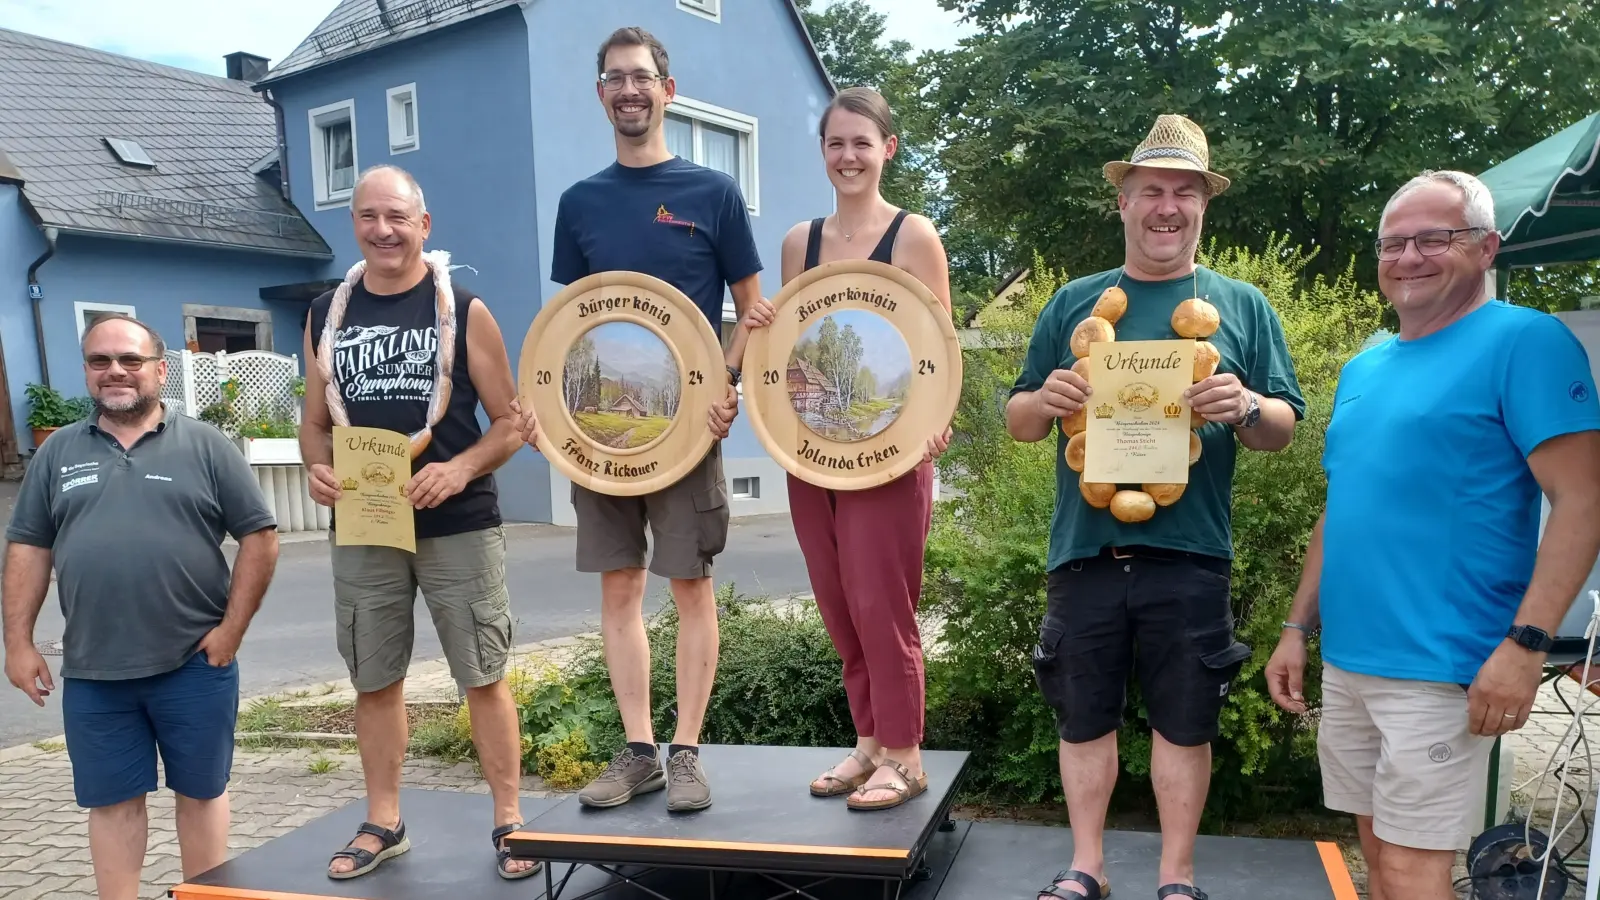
x: 373, y: 466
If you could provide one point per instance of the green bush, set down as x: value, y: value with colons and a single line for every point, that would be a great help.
x: 985, y: 566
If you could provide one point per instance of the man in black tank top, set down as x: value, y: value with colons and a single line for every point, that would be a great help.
x: 396, y: 323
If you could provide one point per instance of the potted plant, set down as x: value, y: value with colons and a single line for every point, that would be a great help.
x: 48, y: 410
x: 270, y: 437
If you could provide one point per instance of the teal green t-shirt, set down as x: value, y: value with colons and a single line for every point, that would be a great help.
x: 1251, y: 342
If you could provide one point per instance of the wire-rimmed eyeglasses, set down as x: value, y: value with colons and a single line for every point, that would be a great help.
x: 644, y: 81
x: 1429, y: 243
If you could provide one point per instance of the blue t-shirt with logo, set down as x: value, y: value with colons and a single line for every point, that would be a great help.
x: 1433, y: 513
x: 685, y: 224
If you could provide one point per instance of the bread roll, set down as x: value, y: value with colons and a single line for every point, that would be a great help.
x: 1075, y: 423
x: 1195, y: 419
x: 1206, y: 360
x: 1112, y: 304
x: 1194, y: 448
x: 1075, y: 448
x: 1164, y: 494
x: 1091, y: 330
x: 1195, y: 318
x: 1082, y: 368
x: 1132, y: 506
x: 1097, y: 495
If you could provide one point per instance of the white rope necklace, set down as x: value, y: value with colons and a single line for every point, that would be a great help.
x: 438, y: 262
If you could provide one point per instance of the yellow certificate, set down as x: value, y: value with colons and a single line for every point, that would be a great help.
x: 373, y: 466
x: 1137, y: 430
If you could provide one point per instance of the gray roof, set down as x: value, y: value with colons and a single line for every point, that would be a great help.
x: 356, y: 26
x: 59, y: 105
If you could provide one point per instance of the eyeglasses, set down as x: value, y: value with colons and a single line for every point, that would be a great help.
x: 644, y: 81
x: 130, y: 362
x: 1429, y: 243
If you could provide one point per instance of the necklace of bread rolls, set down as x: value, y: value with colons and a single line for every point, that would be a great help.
x: 1195, y: 319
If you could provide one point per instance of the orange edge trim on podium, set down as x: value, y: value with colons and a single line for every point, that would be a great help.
x: 881, y: 853
x: 216, y: 892
x: 1338, y: 873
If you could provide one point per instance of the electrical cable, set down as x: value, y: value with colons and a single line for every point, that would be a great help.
x: 1575, y: 736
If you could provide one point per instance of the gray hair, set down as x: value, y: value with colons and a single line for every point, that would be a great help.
x: 155, y: 339
x: 411, y: 182
x: 1479, y: 202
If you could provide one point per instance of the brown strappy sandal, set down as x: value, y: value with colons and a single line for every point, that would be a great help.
x: 839, y: 786
x: 913, y: 789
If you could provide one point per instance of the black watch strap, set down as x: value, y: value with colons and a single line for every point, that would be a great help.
x: 734, y: 374
x: 1531, y: 637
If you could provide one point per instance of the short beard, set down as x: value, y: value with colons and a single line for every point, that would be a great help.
x: 129, y: 413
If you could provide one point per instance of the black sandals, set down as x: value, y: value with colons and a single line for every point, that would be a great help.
x: 1097, y: 890
x: 394, y: 843
x: 503, y: 854
x: 1179, y: 890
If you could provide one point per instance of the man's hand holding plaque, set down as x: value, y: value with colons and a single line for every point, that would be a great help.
x: 372, y: 467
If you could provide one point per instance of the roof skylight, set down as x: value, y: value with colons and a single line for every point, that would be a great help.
x: 130, y: 152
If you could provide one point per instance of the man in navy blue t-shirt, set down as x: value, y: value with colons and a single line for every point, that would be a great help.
x: 654, y: 213
x: 1435, y: 595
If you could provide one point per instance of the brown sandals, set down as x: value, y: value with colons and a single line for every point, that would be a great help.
x: 839, y: 786
x: 913, y: 789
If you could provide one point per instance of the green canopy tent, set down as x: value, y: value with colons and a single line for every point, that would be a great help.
x: 1547, y: 200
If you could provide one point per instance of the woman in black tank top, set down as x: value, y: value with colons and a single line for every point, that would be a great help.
x: 864, y: 549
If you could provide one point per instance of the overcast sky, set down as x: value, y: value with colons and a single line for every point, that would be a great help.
x: 195, y: 34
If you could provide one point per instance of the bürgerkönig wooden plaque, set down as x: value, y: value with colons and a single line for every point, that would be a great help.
x: 621, y: 369
x: 859, y: 369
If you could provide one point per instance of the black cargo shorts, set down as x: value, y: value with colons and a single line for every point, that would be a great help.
x: 1164, y: 616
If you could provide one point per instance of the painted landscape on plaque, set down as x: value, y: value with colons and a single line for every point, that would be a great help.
x: 621, y: 385
x: 848, y: 375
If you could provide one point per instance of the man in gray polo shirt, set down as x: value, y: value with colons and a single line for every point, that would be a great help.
x: 130, y: 506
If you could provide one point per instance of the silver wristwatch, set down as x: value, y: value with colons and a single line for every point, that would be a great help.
x: 1252, y: 413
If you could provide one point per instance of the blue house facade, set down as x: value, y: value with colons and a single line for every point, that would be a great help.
x: 491, y: 104
x: 131, y: 187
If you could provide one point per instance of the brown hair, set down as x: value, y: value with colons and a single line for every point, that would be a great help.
x: 633, y: 36
x: 863, y: 101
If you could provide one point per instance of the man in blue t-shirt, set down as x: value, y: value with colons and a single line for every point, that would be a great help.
x: 688, y: 225
x: 1435, y: 596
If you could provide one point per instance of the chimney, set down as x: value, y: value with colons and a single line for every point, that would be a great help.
x: 246, y: 67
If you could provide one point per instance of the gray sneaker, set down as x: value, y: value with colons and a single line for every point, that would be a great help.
x: 628, y: 776
x: 687, y: 789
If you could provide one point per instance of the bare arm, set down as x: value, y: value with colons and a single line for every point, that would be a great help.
x: 490, y: 370
x: 316, y: 424
x: 253, y: 568
x: 26, y: 584
x: 921, y: 253
x: 1026, y: 418
x: 746, y: 293
x: 1568, y: 471
x: 1274, y: 430
x: 1305, y: 610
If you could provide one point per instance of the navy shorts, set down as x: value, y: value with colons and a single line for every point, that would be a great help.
x: 1160, y: 616
x: 114, y: 730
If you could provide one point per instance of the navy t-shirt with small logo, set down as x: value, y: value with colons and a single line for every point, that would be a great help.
x: 677, y: 221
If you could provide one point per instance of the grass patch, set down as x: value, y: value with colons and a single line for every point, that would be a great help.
x: 608, y: 427
x: 50, y: 746
x: 323, y: 765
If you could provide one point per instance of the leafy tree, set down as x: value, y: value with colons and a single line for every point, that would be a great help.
x: 1318, y: 109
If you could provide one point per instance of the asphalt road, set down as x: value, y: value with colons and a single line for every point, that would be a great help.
x: 291, y: 641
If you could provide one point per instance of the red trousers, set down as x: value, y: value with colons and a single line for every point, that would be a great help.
x: 864, y: 552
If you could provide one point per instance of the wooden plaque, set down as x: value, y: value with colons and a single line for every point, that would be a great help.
x: 859, y: 369
x: 621, y: 369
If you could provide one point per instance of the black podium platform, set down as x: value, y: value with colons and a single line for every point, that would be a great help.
x: 764, y: 837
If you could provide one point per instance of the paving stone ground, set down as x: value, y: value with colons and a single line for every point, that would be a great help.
x: 44, y: 835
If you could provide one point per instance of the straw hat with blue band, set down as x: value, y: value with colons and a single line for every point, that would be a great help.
x: 1174, y: 142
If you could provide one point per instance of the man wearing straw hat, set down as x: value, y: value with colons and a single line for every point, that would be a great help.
x: 1161, y: 585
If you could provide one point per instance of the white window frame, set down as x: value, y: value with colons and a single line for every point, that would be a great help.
x: 82, y: 306
x: 750, y: 481
x: 396, y: 99
x: 710, y: 10
x: 319, y: 119
x: 749, y: 127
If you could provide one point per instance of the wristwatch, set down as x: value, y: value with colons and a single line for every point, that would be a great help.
x: 1252, y: 413
x: 1531, y: 637
x: 734, y: 374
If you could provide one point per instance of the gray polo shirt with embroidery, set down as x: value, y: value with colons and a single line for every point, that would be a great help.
x: 137, y: 539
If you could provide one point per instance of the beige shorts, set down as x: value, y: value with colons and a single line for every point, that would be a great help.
x: 1402, y: 753
x: 687, y: 519
x: 463, y: 582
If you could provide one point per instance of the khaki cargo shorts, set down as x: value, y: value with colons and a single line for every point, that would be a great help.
x: 1402, y: 753
x: 688, y: 520
x: 463, y: 582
